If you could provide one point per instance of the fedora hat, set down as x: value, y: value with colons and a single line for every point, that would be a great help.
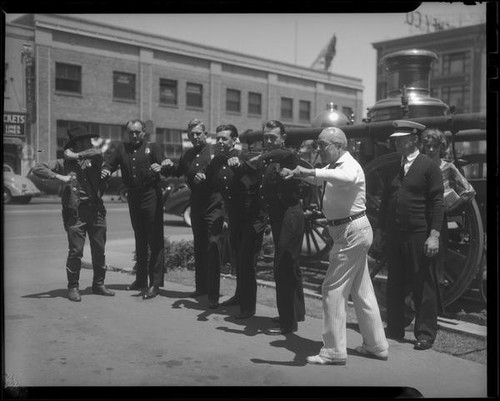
x: 403, y: 127
x: 76, y: 133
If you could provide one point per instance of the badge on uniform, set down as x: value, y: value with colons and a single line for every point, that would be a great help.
x: 148, y: 150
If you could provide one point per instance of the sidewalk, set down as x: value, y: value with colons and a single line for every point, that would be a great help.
x: 119, y: 254
x: 174, y: 340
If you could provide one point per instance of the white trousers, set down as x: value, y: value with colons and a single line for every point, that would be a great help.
x: 348, y: 274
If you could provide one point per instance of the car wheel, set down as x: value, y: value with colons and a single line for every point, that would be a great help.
x: 7, y: 196
x: 123, y: 194
x: 24, y: 199
x: 186, y: 215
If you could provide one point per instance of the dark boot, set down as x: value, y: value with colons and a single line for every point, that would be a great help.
x: 100, y: 289
x: 73, y: 277
x: 98, y: 282
x: 74, y: 295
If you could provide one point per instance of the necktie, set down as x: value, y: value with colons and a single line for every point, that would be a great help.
x: 402, y: 168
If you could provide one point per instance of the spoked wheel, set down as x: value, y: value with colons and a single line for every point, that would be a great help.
x: 317, y: 241
x: 465, y: 243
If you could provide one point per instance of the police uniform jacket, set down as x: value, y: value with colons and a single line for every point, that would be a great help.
x: 238, y: 185
x: 135, y: 161
x: 195, y: 161
x: 275, y: 192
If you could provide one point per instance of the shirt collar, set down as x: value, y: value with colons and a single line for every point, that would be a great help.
x: 412, y: 156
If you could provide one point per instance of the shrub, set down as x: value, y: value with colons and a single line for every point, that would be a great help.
x: 179, y: 254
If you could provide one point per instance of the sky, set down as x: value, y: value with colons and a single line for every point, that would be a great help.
x: 299, y: 38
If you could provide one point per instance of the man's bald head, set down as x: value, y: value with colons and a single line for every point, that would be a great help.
x: 334, y: 135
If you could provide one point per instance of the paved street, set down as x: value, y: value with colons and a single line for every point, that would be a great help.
x: 171, y: 340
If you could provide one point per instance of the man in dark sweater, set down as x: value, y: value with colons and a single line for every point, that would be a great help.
x: 411, y: 216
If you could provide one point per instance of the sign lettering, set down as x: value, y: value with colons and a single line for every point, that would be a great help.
x: 14, y: 124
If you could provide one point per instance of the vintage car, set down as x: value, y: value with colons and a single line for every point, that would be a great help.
x: 17, y: 187
x: 176, y: 200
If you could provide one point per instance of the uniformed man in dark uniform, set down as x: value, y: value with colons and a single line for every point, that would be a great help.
x: 281, y: 199
x: 239, y: 184
x: 206, y: 211
x: 83, y: 210
x: 411, y: 216
x: 140, y: 161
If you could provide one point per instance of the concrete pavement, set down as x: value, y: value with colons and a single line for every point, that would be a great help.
x: 174, y: 340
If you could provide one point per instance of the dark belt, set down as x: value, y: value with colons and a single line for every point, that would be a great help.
x: 338, y: 222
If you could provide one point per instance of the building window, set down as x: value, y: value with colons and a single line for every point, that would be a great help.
x: 194, y: 95
x: 286, y: 107
x: 233, y: 100
x: 170, y: 140
x: 254, y: 103
x: 68, y: 78
x: 456, y: 63
x: 123, y: 85
x: 168, y: 91
x: 304, y: 110
x: 457, y: 96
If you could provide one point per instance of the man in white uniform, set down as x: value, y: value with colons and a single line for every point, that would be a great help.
x: 343, y: 204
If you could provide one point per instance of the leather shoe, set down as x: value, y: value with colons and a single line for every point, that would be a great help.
x: 151, y: 293
x: 213, y: 304
x: 74, y: 295
x: 231, y: 301
x: 102, y: 290
x: 245, y: 315
x: 320, y: 360
x: 382, y: 355
x: 275, y: 319
x: 422, y: 345
x: 275, y: 331
x: 135, y: 286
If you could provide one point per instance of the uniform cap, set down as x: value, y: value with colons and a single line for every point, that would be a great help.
x: 403, y: 127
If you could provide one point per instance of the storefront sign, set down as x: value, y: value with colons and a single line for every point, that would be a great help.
x: 426, y: 22
x: 14, y: 124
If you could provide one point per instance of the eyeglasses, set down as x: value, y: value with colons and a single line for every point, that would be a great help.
x: 320, y: 145
x: 135, y: 132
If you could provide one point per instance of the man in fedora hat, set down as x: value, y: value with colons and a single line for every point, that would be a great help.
x: 83, y: 209
x: 411, y: 216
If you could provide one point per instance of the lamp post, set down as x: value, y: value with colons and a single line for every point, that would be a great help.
x: 29, y: 85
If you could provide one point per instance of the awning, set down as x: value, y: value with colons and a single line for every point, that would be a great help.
x: 13, y: 140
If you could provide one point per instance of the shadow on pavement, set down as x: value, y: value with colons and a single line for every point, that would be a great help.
x: 251, y: 326
x: 59, y: 293
x: 301, y: 347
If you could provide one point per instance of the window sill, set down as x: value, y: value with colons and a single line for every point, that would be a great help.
x: 72, y: 94
x: 129, y: 101
x: 233, y: 113
x: 168, y: 106
x: 194, y: 108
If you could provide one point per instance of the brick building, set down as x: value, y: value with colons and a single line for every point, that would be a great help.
x: 101, y: 76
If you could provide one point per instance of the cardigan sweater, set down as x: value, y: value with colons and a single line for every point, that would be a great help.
x: 413, y: 203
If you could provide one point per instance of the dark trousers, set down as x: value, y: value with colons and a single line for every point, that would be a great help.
x: 287, y: 225
x: 409, y: 270
x: 146, y: 215
x: 245, y: 244
x: 206, y: 223
x: 91, y: 220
